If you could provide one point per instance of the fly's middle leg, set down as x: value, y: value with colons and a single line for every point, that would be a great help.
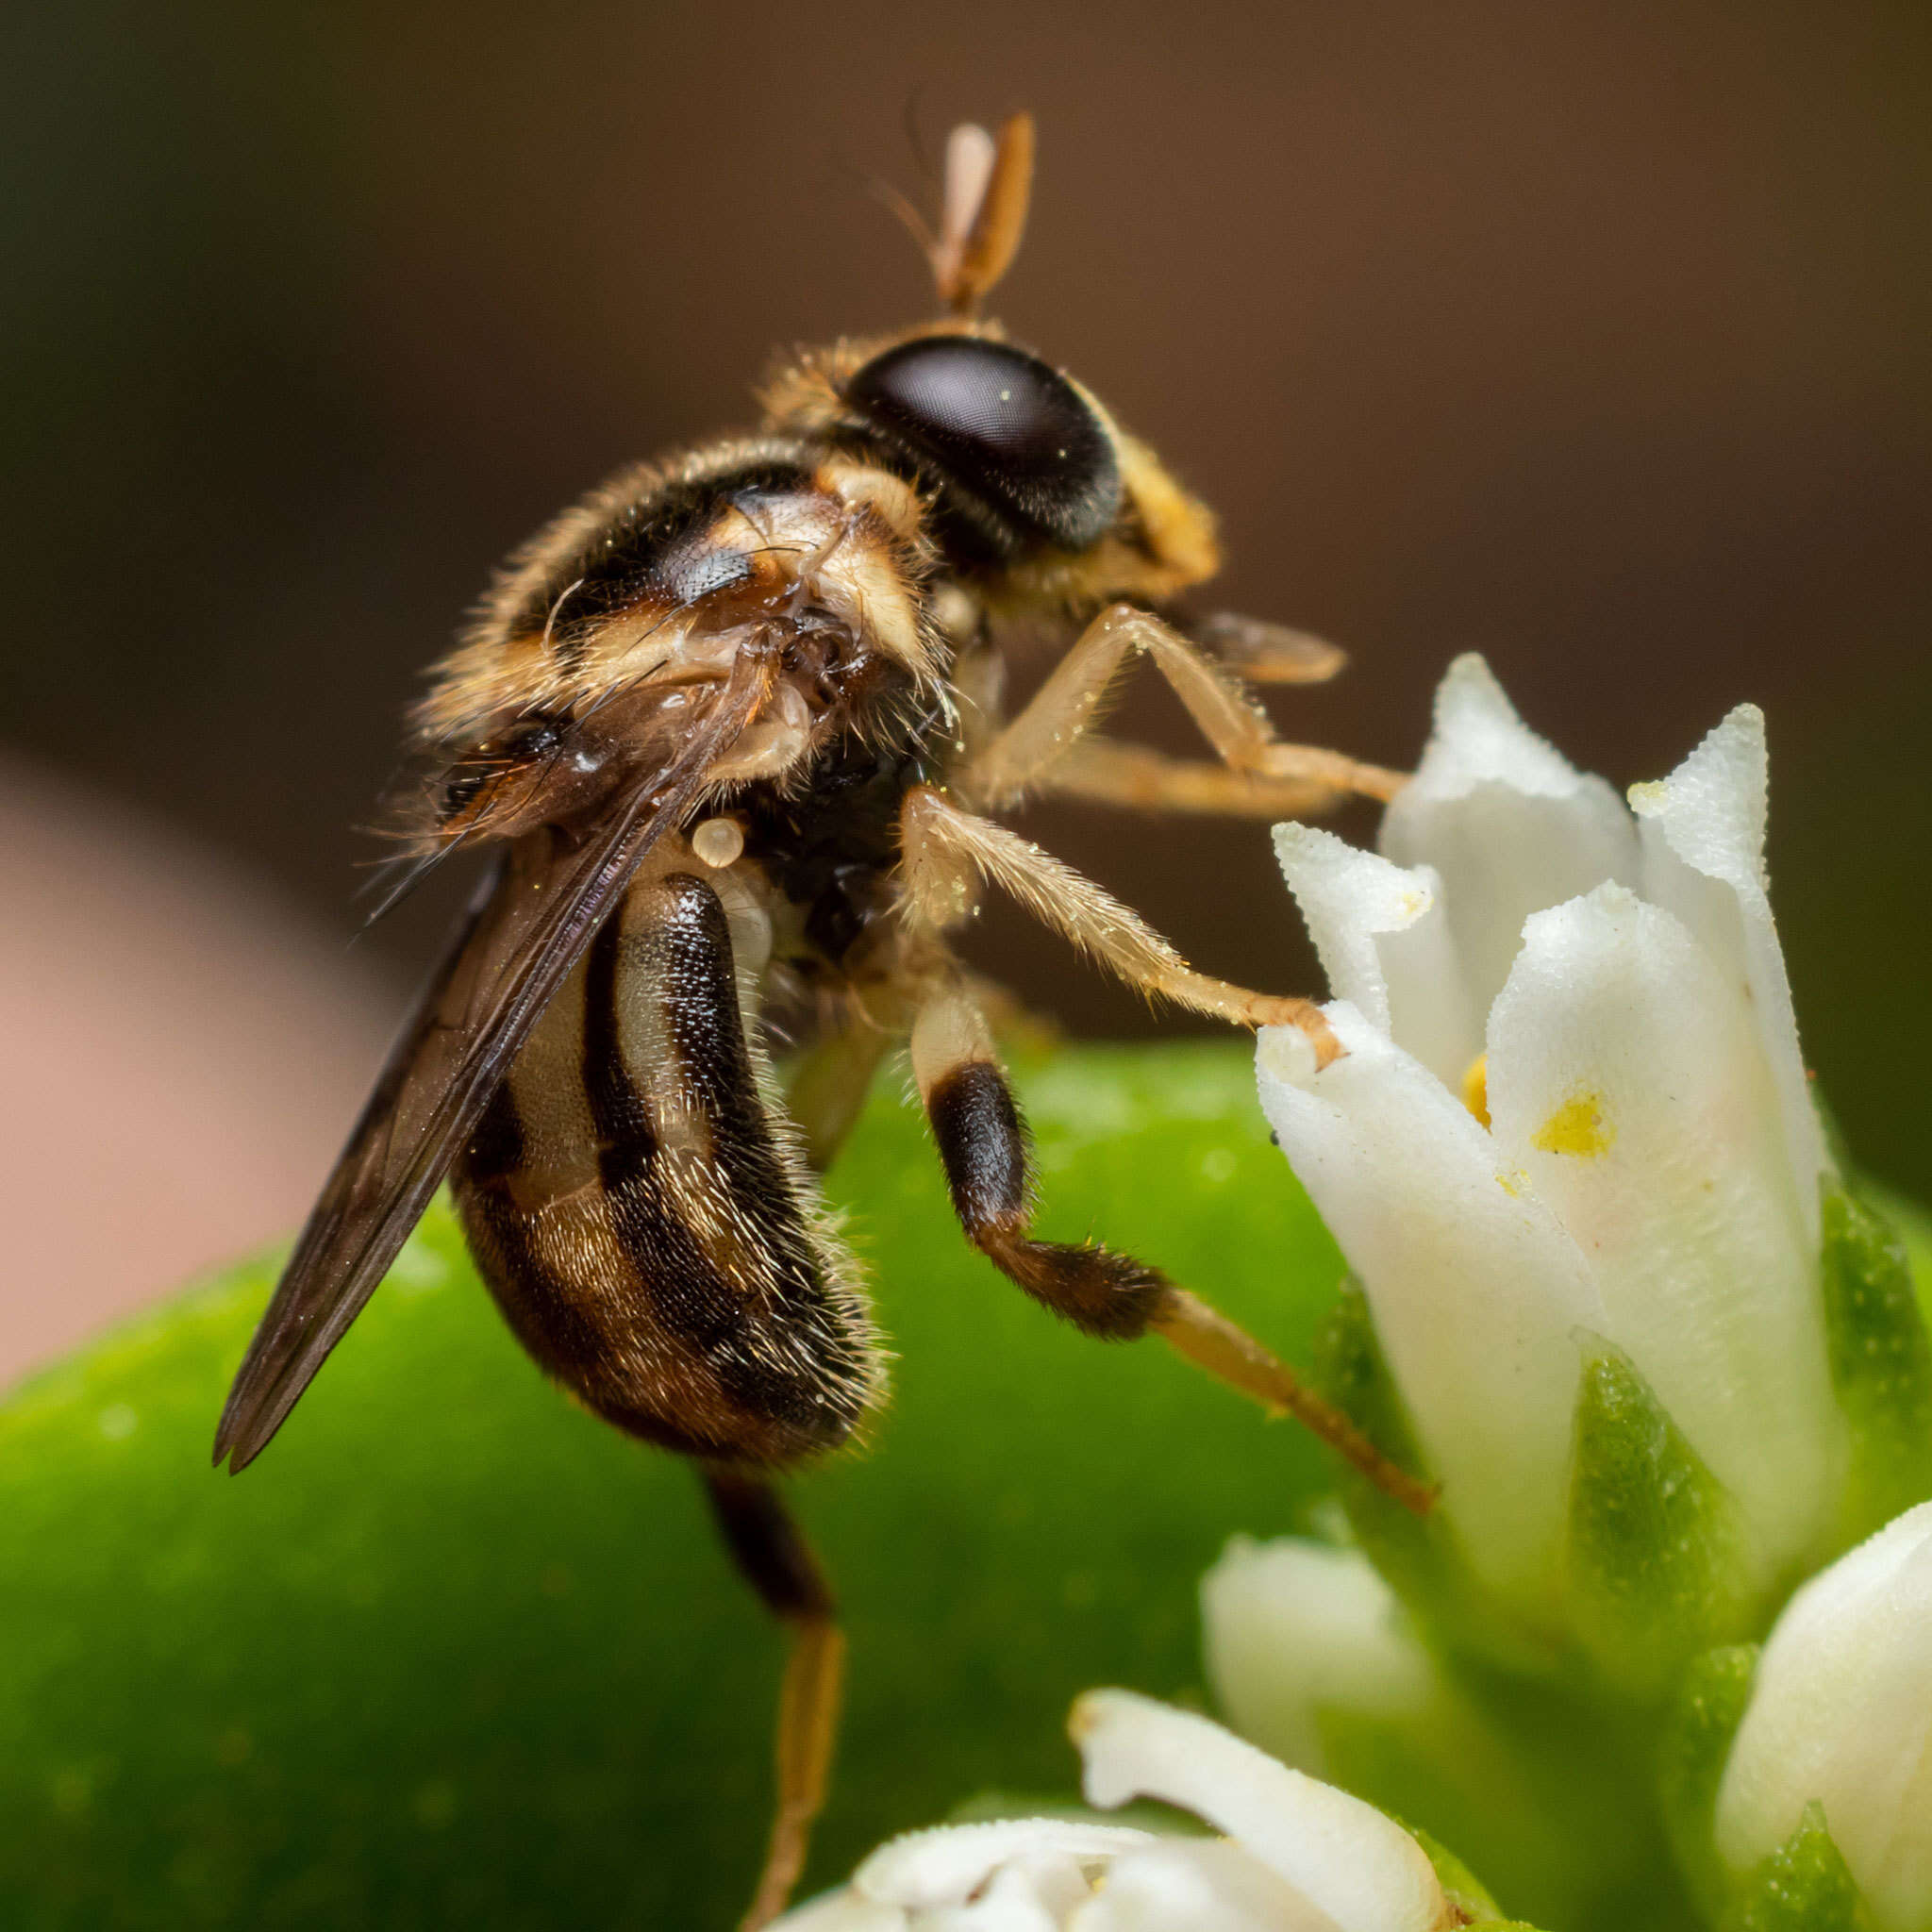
x: 982, y: 1144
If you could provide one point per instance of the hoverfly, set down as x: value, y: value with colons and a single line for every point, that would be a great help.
x: 732, y: 729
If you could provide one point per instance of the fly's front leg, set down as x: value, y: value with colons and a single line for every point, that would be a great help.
x: 982, y: 1144
x: 1065, y: 706
x: 946, y: 852
x: 775, y: 1558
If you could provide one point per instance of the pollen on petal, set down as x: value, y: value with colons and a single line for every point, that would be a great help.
x: 1579, y: 1127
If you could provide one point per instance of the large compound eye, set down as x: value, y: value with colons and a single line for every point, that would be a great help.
x: 1009, y: 433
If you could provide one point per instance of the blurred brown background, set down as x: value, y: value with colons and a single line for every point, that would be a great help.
x: 1590, y: 336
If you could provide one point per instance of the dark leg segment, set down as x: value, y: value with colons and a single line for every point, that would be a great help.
x: 982, y: 1142
x: 775, y: 1558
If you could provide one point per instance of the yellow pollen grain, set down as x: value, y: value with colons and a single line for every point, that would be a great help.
x: 1475, y: 1088
x: 1579, y: 1127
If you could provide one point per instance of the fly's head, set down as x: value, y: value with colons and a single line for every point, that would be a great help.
x: 1035, y: 496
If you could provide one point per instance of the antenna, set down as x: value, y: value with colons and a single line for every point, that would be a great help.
x: 989, y: 183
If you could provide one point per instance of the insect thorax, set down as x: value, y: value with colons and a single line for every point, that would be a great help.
x: 603, y: 641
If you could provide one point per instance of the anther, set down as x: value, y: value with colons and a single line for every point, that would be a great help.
x: 1475, y: 1088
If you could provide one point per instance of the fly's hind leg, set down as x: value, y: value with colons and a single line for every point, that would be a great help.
x: 982, y: 1144
x: 775, y: 1558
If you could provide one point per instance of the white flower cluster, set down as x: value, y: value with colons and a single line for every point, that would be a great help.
x: 1571, y: 1110
x: 1571, y: 1123
x: 1294, y: 1854
x: 1662, y: 1362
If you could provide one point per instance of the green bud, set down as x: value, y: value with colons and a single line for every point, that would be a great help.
x: 1690, y: 1764
x: 1654, y: 1550
x: 1803, y: 1887
x: 1881, y: 1362
x: 1350, y: 1369
x: 1418, y: 1556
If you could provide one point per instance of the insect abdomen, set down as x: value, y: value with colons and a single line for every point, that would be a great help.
x: 640, y: 1219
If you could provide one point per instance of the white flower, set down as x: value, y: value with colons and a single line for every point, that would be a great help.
x: 1571, y: 1105
x: 1295, y: 1633
x: 1295, y: 1856
x: 1841, y: 1715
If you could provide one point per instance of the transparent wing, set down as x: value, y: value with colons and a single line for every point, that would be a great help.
x: 524, y: 932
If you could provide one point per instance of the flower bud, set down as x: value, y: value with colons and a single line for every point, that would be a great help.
x: 1569, y: 1152
x: 1839, y: 1717
x: 1302, y: 1639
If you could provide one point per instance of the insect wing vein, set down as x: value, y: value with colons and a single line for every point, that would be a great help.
x: 525, y: 932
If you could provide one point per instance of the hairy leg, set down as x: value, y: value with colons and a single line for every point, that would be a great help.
x: 982, y: 1145
x: 947, y: 852
x: 1112, y: 773
x: 1067, y: 704
x: 775, y: 1558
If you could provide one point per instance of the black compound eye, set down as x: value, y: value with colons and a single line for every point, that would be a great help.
x: 1003, y: 429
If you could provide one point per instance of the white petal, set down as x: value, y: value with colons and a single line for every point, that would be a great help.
x: 1383, y: 940
x: 1200, y: 1884
x: 1702, y: 830
x: 1841, y: 1714
x: 1058, y: 1881
x: 842, y: 1911
x: 1478, y: 1293
x: 1625, y: 1079
x: 1508, y: 823
x: 1012, y: 1901
x: 948, y: 1863
x: 1293, y: 1628
x: 1342, y: 1855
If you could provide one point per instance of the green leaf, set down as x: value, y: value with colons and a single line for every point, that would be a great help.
x: 1881, y: 1362
x: 1690, y: 1764
x: 1653, y: 1552
x: 1805, y: 1886
x: 454, y: 1654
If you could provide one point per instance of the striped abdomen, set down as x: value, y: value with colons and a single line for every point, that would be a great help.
x: 641, y: 1218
